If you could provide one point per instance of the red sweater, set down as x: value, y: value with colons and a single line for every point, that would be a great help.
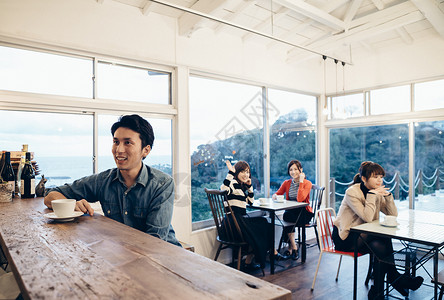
x: 303, y: 192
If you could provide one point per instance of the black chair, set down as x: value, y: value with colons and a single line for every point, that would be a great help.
x: 316, y: 194
x: 229, y: 234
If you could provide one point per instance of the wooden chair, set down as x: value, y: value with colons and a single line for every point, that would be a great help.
x: 229, y: 234
x: 324, y: 220
x: 316, y: 194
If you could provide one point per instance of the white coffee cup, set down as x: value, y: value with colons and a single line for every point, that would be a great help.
x: 63, y: 207
x: 263, y: 200
x: 280, y: 198
x: 390, y: 220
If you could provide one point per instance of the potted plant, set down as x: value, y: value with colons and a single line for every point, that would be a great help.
x: 5, y: 191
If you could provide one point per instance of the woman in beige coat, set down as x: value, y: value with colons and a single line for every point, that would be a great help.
x: 361, y: 204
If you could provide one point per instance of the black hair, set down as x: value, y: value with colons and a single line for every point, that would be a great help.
x: 239, y: 167
x: 138, y: 124
x: 294, y: 162
x: 367, y: 169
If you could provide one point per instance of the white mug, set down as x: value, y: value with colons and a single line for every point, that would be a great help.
x: 263, y: 200
x: 390, y: 220
x: 63, y: 207
x: 280, y: 197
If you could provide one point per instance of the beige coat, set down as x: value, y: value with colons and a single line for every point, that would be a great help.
x: 356, y: 210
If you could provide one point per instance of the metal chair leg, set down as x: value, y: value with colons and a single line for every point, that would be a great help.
x: 339, y: 267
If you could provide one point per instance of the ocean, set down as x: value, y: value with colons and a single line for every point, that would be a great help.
x: 61, y: 170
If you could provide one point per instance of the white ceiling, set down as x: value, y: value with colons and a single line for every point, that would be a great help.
x: 336, y: 28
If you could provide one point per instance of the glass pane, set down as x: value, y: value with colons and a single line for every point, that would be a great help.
x: 429, y: 162
x: 292, y: 127
x: 62, y: 143
x: 225, y: 123
x: 386, y: 145
x: 390, y: 100
x: 38, y: 72
x: 348, y: 106
x: 429, y: 95
x: 132, y: 84
x: 160, y: 156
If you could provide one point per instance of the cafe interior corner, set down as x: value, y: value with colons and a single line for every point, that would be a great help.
x: 331, y: 83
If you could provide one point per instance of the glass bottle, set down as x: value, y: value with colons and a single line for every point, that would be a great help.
x: 8, y: 173
x: 27, y: 184
x: 20, y: 168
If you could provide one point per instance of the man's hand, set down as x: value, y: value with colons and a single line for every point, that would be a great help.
x: 84, y: 206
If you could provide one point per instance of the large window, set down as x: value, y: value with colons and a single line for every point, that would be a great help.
x: 386, y: 145
x: 62, y: 143
x: 390, y: 100
x: 160, y: 156
x: 429, y: 95
x: 292, y: 120
x: 38, y: 72
x: 132, y: 84
x: 347, y: 106
x: 429, y: 165
x: 226, y: 123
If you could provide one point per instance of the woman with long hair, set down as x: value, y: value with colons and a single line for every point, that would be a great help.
x: 296, y: 189
x: 363, y: 201
x: 256, y: 230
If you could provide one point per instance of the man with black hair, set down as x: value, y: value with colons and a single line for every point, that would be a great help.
x: 133, y: 193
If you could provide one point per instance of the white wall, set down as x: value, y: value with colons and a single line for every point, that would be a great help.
x: 113, y: 29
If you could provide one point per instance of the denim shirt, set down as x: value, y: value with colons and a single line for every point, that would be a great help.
x: 147, y: 205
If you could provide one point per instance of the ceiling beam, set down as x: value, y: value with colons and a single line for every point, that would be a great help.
x: 351, y: 11
x: 146, y: 8
x: 359, y: 33
x: 313, y: 12
x: 379, y: 4
x: 268, y: 23
x: 430, y: 9
x: 237, y: 11
x: 189, y: 22
x: 406, y: 37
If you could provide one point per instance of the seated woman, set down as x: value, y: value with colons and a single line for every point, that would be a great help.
x: 361, y: 204
x: 296, y: 189
x: 256, y: 230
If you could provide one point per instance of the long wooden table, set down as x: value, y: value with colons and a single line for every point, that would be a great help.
x: 99, y: 258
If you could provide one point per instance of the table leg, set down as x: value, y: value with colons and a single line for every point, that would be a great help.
x: 272, y: 217
x: 355, y: 268
x: 435, y: 272
x: 304, y: 245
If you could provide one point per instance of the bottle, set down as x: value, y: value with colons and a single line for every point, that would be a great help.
x: 27, y: 182
x: 7, y: 172
x: 20, y: 168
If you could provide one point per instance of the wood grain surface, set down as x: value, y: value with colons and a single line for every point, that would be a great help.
x: 98, y: 258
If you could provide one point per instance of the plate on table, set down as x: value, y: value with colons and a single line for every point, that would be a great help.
x: 387, y: 225
x: 53, y: 216
x: 280, y: 200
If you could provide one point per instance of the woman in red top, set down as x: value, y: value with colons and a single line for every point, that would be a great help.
x: 296, y: 189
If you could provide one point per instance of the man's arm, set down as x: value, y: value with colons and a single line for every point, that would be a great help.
x: 81, y: 205
x: 159, y: 217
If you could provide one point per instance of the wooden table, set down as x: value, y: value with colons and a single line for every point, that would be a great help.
x: 99, y: 258
x: 272, y: 207
x: 414, y: 226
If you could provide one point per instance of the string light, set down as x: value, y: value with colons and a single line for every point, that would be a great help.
x: 325, y: 110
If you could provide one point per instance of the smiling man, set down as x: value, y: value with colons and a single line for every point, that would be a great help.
x: 133, y: 193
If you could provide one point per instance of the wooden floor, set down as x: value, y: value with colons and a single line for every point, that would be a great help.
x: 298, y: 278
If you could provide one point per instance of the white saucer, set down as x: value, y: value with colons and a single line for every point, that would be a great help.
x: 280, y: 201
x: 386, y: 225
x: 53, y: 216
x: 264, y: 204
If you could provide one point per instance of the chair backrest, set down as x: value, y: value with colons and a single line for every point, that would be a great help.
x: 226, y: 224
x: 316, y: 194
x: 324, y: 220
